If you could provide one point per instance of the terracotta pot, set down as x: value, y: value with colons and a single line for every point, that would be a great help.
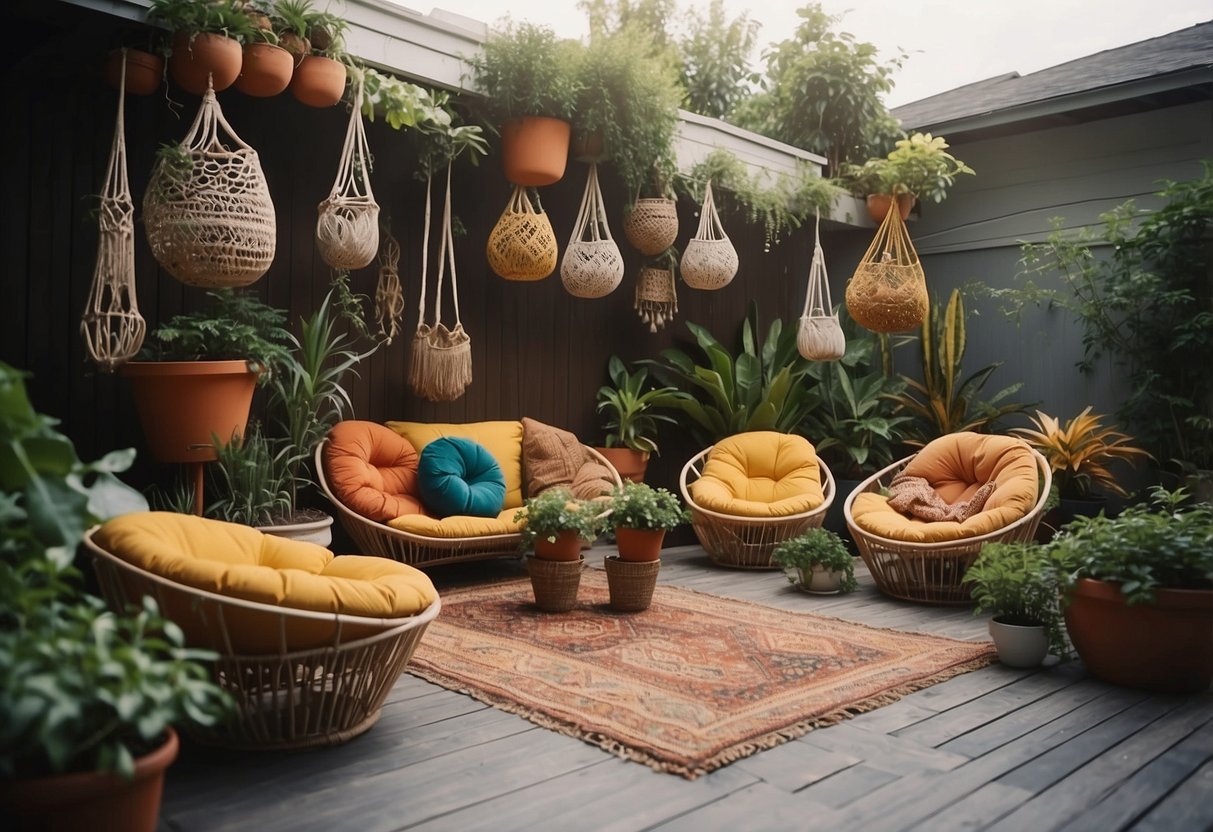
x: 588, y: 147
x: 1019, y: 645
x: 93, y: 801
x: 1165, y: 646
x: 319, y: 531
x: 206, y: 54
x: 878, y: 205
x: 639, y: 545
x: 567, y: 546
x: 182, y: 404
x: 318, y: 81
x: 144, y: 71
x: 630, y: 464
x: 534, y: 150
x: 266, y: 70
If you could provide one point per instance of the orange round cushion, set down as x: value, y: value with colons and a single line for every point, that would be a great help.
x: 372, y: 470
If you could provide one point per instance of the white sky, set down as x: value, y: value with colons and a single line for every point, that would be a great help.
x: 951, y: 42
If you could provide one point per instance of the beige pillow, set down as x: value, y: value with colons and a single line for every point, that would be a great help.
x: 552, y: 457
x: 915, y: 497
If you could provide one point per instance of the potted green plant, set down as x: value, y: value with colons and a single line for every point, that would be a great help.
x: 629, y: 420
x: 1139, y: 593
x: 641, y: 515
x: 556, y: 524
x: 317, y: 40
x: 206, y: 41
x: 918, y: 167
x: 196, y: 374
x: 817, y: 562
x: 266, y: 68
x: 530, y: 83
x: 88, y: 696
x: 1016, y: 583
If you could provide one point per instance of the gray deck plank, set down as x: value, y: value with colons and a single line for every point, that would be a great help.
x: 794, y: 765
x: 977, y: 811
x: 891, y: 753
x: 1187, y: 807
x: 757, y: 808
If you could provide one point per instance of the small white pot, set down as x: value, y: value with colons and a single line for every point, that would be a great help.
x: 820, y: 581
x: 1019, y: 645
x: 319, y: 532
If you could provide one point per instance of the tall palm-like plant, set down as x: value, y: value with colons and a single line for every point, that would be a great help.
x: 627, y: 406
x: 1080, y: 450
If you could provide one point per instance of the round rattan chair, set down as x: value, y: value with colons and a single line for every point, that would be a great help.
x: 294, y: 697
x: 932, y: 573
x: 747, y: 542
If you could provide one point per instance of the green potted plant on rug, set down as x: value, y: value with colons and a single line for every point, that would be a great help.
x: 556, y: 525
x: 530, y: 83
x: 629, y: 418
x: 1139, y: 593
x: 641, y: 516
x: 1017, y: 584
x: 88, y: 695
x: 206, y: 41
x: 918, y: 167
x: 817, y: 562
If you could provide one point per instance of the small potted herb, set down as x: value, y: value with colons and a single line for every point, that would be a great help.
x: 641, y: 516
x: 556, y: 525
x: 1017, y: 583
x: 817, y: 562
x: 919, y: 167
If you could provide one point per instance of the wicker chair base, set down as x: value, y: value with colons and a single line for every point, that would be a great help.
x: 631, y: 583
x: 555, y: 582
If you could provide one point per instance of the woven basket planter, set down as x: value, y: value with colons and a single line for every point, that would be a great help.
x: 888, y: 291
x: 555, y: 582
x: 652, y: 225
x: 522, y: 245
x: 656, y: 297
x: 347, y: 226
x: 593, y: 265
x: 631, y: 583
x: 709, y: 264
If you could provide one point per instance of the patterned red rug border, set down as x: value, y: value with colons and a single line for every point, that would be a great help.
x: 734, y: 752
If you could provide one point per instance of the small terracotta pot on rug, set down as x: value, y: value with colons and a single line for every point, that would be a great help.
x: 631, y: 583
x: 639, y: 545
x: 566, y: 547
x: 555, y: 582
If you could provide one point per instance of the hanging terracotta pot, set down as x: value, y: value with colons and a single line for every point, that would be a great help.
x: 205, y: 55
x: 878, y: 205
x: 183, y: 404
x: 144, y: 71
x: 639, y: 545
x: 91, y: 800
x: 266, y: 70
x: 318, y: 81
x: 588, y: 147
x: 534, y: 150
x: 566, y: 546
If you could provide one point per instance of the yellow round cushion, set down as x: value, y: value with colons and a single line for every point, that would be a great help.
x: 760, y: 474
x: 240, y: 562
x: 450, y: 528
x: 956, y: 465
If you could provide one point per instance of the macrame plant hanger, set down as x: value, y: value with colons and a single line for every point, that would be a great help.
x: 207, y: 209
x: 820, y: 336
x: 440, y: 365
x: 389, y: 294
x: 593, y: 265
x: 656, y: 297
x: 888, y: 291
x: 522, y: 245
x: 710, y: 260
x: 111, y: 326
x: 347, y: 229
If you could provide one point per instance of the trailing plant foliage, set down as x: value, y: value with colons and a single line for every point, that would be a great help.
x: 816, y: 547
x: 635, y: 505
x: 758, y: 389
x: 1017, y: 584
x: 1139, y: 287
x: 525, y: 70
x: 237, y: 325
x: 1165, y: 545
x: 557, y: 510
x: 943, y: 402
x: 1080, y: 451
x: 627, y: 408
x: 225, y: 17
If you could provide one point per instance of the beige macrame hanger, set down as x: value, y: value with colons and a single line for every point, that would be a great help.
x: 593, y: 265
x: 710, y: 260
x: 389, y: 294
x: 820, y: 337
x: 347, y: 229
x: 111, y: 326
x: 888, y: 291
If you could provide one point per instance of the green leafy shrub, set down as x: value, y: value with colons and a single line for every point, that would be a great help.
x: 237, y: 325
x: 1018, y: 583
x: 627, y: 408
x: 525, y: 70
x: 639, y: 506
x: 817, y: 547
x: 557, y: 510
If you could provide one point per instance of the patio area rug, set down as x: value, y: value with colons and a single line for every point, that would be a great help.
x: 691, y: 684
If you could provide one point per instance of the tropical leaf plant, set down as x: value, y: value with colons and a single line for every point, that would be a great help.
x: 1080, y: 451
x: 759, y: 388
x: 944, y: 402
x: 627, y: 408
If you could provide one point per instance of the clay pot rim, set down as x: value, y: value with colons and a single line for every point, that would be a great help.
x: 233, y: 366
x: 1102, y: 590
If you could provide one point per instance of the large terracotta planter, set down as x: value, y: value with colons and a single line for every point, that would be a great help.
x: 567, y: 546
x: 205, y: 55
x: 639, y: 545
x: 534, y: 150
x: 318, y: 81
x: 182, y: 404
x: 92, y: 801
x: 1165, y: 646
x: 266, y: 70
x: 630, y: 464
x: 144, y: 71
x: 878, y: 205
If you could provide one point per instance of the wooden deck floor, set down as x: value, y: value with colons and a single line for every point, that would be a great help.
x: 993, y: 749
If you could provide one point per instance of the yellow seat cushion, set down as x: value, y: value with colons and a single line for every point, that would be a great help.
x: 760, y: 474
x: 956, y: 465
x: 502, y: 439
x: 240, y: 562
x: 449, y: 528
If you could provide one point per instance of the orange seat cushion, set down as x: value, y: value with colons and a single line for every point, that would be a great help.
x: 760, y: 474
x: 956, y: 466
x: 372, y: 470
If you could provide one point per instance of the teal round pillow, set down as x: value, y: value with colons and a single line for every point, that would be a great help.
x: 457, y: 476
